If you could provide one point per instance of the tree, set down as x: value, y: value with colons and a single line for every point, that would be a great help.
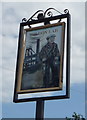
x: 76, y: 117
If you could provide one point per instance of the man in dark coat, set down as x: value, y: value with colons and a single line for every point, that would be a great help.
x: 50, y: 57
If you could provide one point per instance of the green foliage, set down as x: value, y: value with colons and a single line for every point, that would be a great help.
x: 76, y: 116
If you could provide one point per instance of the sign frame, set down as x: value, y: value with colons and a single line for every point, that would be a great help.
x: 26, y: 62
x: 67, y: 95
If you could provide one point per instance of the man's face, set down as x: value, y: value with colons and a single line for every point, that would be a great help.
x: 51, y: 39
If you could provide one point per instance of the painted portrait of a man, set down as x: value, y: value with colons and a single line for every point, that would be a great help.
x: 50, y: 57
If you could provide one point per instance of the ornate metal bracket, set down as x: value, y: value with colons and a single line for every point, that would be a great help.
x: 66, y: 11
x: 42, y: 15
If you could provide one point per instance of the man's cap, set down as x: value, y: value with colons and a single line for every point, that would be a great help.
x: 52, y: 35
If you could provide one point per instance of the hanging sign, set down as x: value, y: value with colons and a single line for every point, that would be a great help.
x: 43, y: 52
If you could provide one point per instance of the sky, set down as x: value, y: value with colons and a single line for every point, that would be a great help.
x: 12, y: 14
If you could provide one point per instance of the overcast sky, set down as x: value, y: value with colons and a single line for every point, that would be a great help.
x: 12, y: 14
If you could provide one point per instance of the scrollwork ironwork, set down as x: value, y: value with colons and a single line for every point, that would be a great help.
x: 66, y: 11
x: 39, y: 11
x: 41, y: 14
x: 24, y: 20
x: 49, y: 13
x: 32, y: 17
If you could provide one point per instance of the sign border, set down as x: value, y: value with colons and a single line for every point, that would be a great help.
x: 22, y: 58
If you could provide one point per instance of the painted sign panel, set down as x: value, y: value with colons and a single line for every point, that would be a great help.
x: 41, y: 59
